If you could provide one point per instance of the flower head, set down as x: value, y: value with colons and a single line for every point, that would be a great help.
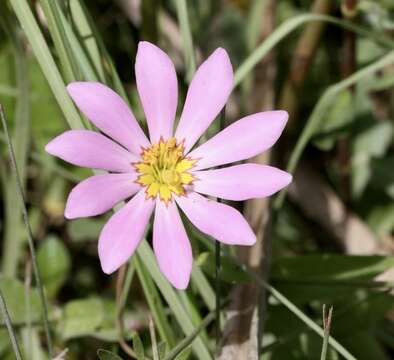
x: 164, y: 173
x: 164, y: 170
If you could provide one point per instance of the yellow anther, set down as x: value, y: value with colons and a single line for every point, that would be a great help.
x: 164, y: 169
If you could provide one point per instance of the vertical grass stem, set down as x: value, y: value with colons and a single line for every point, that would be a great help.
x: 29, y: 235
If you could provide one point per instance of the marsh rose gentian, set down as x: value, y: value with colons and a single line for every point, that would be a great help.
x: 164, y: 173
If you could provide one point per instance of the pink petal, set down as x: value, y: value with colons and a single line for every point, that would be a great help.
x: 171, y: 245
x: 158, y: 89
x: 207, y: 95
x: 220, y: 221
x: 91, y: 149
x: 241, y: 182
x: 109, y: 112
x: 98, y: 194
x: 241, y: 140
x: 123, y: 232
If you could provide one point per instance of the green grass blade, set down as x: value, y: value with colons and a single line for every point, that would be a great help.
x: 145, y: 252
x: 105, y: 57
x: 203, y: 286
x: 78, y: 51
x: 10, y: 329
x: 288, y: 27
x: 155, y: 350
x: 304, y: 318
x: 154, y: 302
x: 189, y: 339
x: 327, y: 327
x: 82, y: 28
x: 46, y: 61
x: 13, y: 235
x: 51, y: 11
x: 183, y: 19
x: 189, y: 303
x: 29, y: 235
x: 27, y: 333
x: 127, y: 283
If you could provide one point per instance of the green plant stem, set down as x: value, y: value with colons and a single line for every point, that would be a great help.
x: 183, y: 18
x: 153, y: 299
x: 334, y: 283
x: 10, y: 329
x: 29, y: 235
x: 327, y: 326
x: 152, y: 332
x: 288, y: 27
x: 28, y: 333
x: 189, y: 339
x: 145, y: 252
x: 127, y: 283
x: 303, y: 317
x: 217, y: 258
x: 217, y: 290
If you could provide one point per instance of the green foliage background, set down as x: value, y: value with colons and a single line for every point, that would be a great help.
x: 342, y: 130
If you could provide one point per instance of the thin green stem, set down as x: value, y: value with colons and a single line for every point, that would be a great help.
x: 217, y: 290
x: 288, y: 27
x: 334, y: 283
x: 189, y: 339
x: 154, y: 302
x: 29, y: 235
x: 152, y: 332
x: 327, y: 326
x: 217, y: 258
x: 10, y: 329
x: 320, y: 110
x: 303, y: 317
x: 183, y: 18
x: 28, y: 333
x: 127, y: 283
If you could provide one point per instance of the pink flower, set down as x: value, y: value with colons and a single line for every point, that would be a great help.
x: 165, y: 172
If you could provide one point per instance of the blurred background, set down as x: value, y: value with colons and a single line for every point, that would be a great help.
x: 327, y: 240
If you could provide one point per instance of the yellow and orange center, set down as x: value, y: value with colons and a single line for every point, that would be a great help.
x: 164, y: 169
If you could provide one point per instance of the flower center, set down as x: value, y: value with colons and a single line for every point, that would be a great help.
x: 164, y: 169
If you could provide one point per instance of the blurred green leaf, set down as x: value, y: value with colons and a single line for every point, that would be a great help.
x: 381, y: 219
x: 331, y: 266
x: 185, y: 354
x: 162, y: 349
x: 4, y: 342
x: 107, y: 355
x: 54, y: 264
x: 369, y: 144
x: 339, y: 115
x: 138, y: 346
x: 365, y: 346
x: 85, y: 229
x: 14, y: 292
x: 367, y: 51
x: 88, y: 317
x: 325, y: 277
x: 374, y: 140
x: 383, y: 175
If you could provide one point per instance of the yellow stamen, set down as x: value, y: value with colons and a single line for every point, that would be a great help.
x: 164, y: 170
